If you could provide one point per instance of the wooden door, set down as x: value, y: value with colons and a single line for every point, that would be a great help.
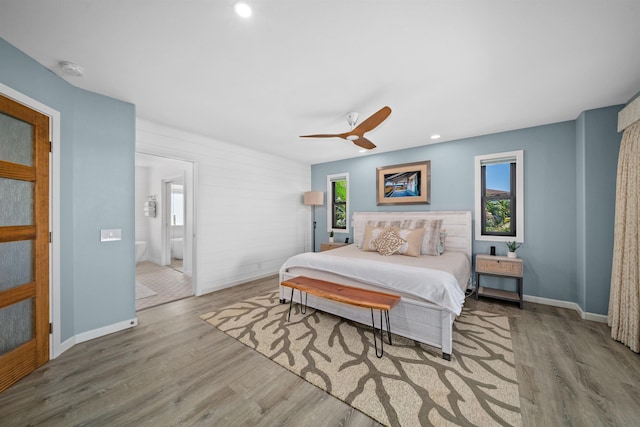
x: 24, y: 240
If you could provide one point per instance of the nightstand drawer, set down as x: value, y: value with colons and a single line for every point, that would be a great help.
x: 499, y: 265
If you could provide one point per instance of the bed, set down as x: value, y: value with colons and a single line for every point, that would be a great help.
x: 432, y: 287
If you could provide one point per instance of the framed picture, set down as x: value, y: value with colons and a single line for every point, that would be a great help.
x: 405, y: 184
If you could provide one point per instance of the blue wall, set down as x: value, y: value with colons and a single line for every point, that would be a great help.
x: 600, y: 146
x: 552, y: 170
x: 97, y: 157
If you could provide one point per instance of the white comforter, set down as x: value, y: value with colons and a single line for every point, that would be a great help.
x: 435, y: 285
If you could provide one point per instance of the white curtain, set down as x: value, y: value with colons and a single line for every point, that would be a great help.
x: 624, y: 301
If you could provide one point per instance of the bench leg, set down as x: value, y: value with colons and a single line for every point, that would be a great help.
x: 303, y: 306
x: 290, y: 305
x: 375, y: 339
x: 386, y: 315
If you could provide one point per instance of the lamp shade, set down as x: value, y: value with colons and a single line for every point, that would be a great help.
x: 313, y: 198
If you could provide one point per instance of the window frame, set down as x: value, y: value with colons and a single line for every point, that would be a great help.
x: 517, y: 192
x: 330, y: 202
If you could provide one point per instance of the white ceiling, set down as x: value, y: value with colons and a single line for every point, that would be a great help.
x: 459, y: 68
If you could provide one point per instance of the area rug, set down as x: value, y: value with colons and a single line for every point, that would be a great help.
x: 143, y: 291
x: 410, y: 385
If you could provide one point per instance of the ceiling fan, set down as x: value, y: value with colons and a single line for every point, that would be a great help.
x: 356, y: 134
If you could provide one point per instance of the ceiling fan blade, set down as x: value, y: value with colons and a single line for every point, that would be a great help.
x: 372, y: 122
x: 324, y: 135
x: 364, y: 143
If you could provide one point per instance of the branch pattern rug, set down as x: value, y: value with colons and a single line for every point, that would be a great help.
x: 410, y: 385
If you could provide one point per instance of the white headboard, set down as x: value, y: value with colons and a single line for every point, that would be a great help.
x: 457, y: 224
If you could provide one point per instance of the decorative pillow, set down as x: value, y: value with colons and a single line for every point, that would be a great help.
x: 386, y: 224
x: 388, y: 242
x: 431, y: 238
x: 414, y: 241
x: 370, y: 234
x: 360, y: 237
x: 443, y: 240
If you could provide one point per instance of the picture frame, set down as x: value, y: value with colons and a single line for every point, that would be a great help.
x: 404, y: 184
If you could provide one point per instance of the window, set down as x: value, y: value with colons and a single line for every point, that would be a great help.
x: 338, y: 203
x: 499, y: 197
x: 177, y: 204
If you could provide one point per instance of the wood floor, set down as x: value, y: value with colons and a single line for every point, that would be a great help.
x: 174, y: 369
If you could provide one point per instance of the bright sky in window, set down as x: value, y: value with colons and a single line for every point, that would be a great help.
x: 498, y: 176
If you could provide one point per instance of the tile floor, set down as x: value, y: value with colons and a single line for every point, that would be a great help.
x: 176, y: 264
x: 168, y: 283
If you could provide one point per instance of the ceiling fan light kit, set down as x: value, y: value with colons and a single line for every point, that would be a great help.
x: 356, y: 135
x: 352, y: 118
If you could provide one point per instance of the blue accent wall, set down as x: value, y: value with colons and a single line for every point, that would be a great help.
x: 103, y: 198
x: 97, y: 157
x: 555, y: 166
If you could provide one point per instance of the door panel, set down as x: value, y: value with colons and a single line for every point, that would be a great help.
x: 17, y: 325
x: 16, y: 140
x: 17, y: 202
x: 24, y: 241
x: 16, y: 264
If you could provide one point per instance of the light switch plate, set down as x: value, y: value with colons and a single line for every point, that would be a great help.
x: 111, y: 235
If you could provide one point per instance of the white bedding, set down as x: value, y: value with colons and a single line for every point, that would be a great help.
x: 437, y: 279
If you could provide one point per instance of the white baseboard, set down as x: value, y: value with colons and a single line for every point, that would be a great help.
x: 106, y: 330
x: 67, y: 345
x: 594, y: 317
x: 57, y: 350
x: 209, y: 289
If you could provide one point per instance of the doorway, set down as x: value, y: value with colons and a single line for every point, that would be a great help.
x: 173, y: 204
x: 165, y: 230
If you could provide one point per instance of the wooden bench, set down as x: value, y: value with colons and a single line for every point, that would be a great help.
x: 348, y: 295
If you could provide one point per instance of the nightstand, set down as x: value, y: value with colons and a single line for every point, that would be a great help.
x: 331, y: 245
x: 500, y: 266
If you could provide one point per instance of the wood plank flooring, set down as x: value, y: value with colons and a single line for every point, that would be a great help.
x: 173, y: 369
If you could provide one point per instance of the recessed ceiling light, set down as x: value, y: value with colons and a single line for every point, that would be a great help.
x: 242, y: 9
x: 71, y: 69
x: 435, y: 136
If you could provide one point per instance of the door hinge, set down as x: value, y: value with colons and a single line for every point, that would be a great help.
x: 50, y: 328
x: 50, y: 237
x: 50, y: 147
